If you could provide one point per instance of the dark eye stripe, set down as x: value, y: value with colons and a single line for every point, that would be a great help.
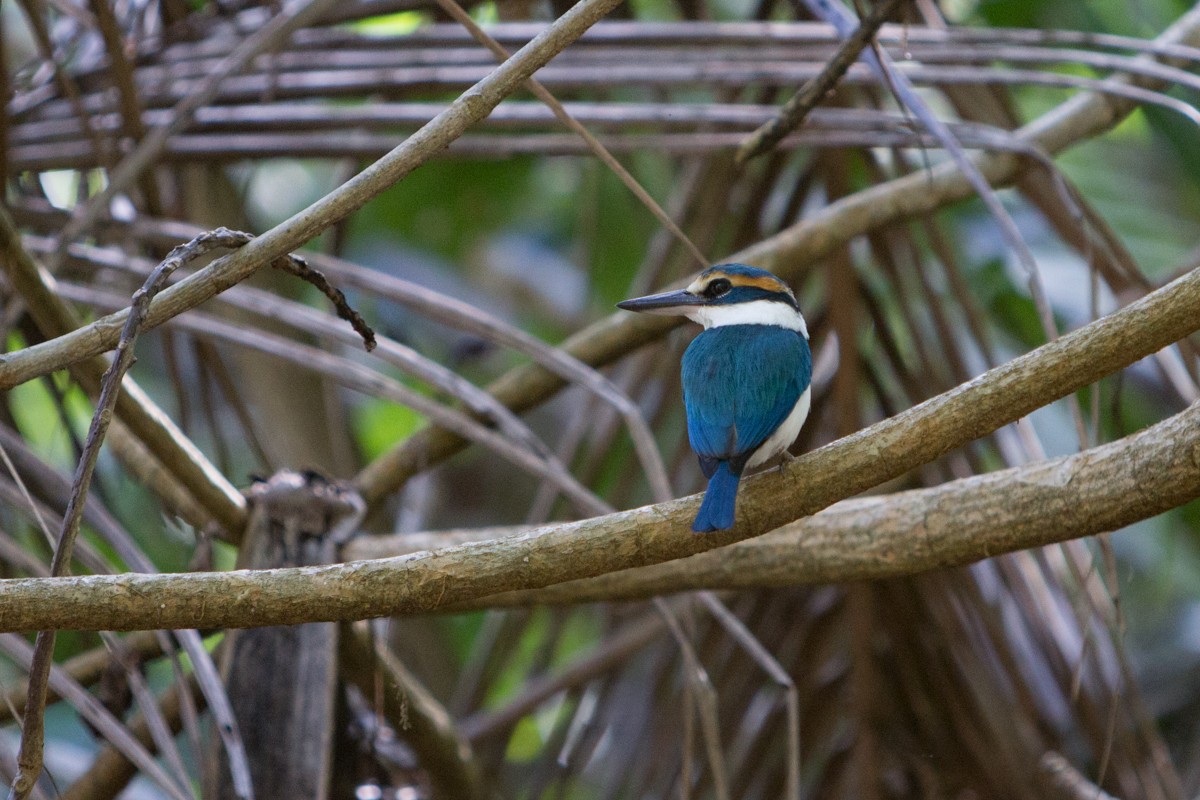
x: 718, y: 287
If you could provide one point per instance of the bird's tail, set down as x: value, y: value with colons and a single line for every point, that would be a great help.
x: 720, y: 500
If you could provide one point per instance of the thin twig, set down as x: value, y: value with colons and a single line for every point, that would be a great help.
x: 705, y: 695
x: 542, y: 93
x: 762, y: 656
x: 92, y: 710
x: 66, y: 83
x: 84, y: 668
x: 295, y: 265
x: 515, y: 441
x: 134, y: 165
x: 793, y: 112
x: 470, y: 107
x: 111, y: 771
x: 173, y: 450
x: 123, y: 80
x: 32, y: 732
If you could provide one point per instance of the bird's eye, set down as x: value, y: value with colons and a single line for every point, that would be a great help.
x: 718, y: 287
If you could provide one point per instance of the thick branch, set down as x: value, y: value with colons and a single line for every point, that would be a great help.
x: 1098, y: 490
x: 650, y: 535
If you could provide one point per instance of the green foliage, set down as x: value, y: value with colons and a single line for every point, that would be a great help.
x: 378, y: 425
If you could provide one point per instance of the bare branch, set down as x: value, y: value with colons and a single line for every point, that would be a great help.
x: 471, y: 106
x: 111, y: 771
x: 650, y: 535
x: 788, y: 254
x: 155, y: 429
x: 593, y: 144
x: 923, y: 529
x: 29, y: 758
x: 793, y: 112
x: 133, y: 166
x: 85, y: 669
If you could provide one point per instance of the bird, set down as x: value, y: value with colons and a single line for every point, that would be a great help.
x: 746, y: 378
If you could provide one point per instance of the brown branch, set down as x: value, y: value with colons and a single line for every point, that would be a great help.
x: 295, y: 265
x: 593, y: 144
x: 66, y: 83
x: 788, y: 254
x: 111, y: 772
x: 85, y: 668
x: 154, y: 428
x: 792, y: 115
x: 1099, y: 490
x: 134, y: 165
x: 641, y: 537
x: 123, y: 80
x: 470, y: 107
x: 29, y: 757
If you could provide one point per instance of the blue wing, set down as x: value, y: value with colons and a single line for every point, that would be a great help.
x: 739, y: 384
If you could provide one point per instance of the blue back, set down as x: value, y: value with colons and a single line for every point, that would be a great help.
x: 739, y: 384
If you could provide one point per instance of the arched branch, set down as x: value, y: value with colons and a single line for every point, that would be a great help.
x: 628, y: 539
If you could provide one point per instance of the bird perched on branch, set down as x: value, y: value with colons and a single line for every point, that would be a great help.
x: 746, y: 378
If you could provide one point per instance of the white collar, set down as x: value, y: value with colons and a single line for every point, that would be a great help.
x: 755, y: 312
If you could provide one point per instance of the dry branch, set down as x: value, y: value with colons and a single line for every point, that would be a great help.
x: 85, y: 669
x: 793, y: 112
x: 470, y: 107
x: 153, y: 427
x: 788, y: 254
x: 29, y: 757
x: 641, y: 537
x: 1098, y: 490
x: 111, y: 772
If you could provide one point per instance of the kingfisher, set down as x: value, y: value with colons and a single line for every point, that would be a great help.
x: 746, y: 378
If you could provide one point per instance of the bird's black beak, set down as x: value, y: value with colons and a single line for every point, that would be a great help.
x: 664, y: 302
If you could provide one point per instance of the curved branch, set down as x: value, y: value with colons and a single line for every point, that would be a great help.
x: 960, y: 522
x: 788, y: 254
x: 641, y: 537
x: 470, y: 107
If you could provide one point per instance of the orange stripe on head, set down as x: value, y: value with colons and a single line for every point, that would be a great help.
x: 767, y: 282
x: 736, y: 277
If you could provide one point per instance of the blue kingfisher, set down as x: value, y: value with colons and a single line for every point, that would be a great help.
x: 746, y: 377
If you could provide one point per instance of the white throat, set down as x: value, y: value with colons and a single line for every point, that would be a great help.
x: 756, y: 312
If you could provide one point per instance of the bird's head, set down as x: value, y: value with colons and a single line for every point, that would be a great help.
x: 728, y: 294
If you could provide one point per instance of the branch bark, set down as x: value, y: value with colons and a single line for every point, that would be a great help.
x: 960, y: 522
x: 628, y: 539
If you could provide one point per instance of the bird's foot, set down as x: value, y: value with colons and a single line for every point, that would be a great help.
x: 784, y: 458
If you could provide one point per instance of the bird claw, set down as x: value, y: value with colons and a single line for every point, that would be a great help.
x: 784, y: 458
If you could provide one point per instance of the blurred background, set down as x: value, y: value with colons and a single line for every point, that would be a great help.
x: 964, y: 683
